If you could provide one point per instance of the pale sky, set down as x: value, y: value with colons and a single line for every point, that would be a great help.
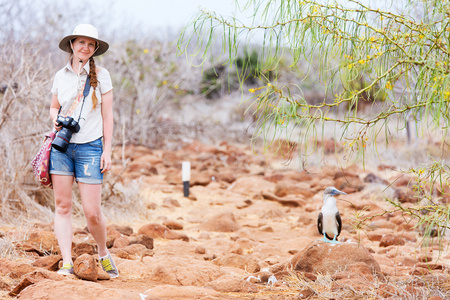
x: 169, y: 13
x: 164, y: 14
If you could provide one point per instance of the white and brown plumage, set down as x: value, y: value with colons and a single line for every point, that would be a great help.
x: 329, y: 222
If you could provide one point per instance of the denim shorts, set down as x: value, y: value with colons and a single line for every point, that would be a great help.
x: 80, y: 160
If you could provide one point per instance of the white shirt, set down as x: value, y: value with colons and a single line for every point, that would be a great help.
x: 66, y: 86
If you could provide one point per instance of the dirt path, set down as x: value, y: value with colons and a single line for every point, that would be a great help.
x: 247, y: 218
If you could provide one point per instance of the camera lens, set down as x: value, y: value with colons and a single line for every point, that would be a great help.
x: 62, y: 139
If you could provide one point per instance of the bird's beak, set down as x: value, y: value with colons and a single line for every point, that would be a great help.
x: 338, y: 192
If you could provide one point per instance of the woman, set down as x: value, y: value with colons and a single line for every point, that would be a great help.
x: 87, y: 157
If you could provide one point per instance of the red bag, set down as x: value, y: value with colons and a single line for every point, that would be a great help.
x: 41, y: 162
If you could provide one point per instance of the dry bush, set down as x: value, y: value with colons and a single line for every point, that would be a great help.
x: 7, y: 248
x: 147, y: 77
x: 25, y: 74
x: 412, y: 288
x: 118, y: 198
x: 8, y: 239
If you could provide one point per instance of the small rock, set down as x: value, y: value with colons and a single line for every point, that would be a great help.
x: 155, y: 230
x: 204, y: 236
x: 192, y: 197
x: 142, y: 239
x: 170, y: 202
x: 112, y: 232
x: 386, y: 290
x: 224, y: 222
x: 405, y: 194
x: 80, y: 231
x: 121, y: 242
x: 418, y: 271
x: 85, y: 267
x: 305, y: 293
x: 33, y: 278
x: 413, y: 291
x: 226, y: 176
x: 147, y: 252
x: 200, y: 250
x: 83, y: 247
x: 210, y: 257
x: 391, y: 240
x: 427, y: 258
x: 7, y: 266
x: 121, y: 253
x: 372, y: 178
x: 21, y: 286
x: 174, y: 225
x: 152, y: 206
x: 125, y: 230
x: 45, y: 241
x: 20, y: 270
x: 348, y: 182
x: 102, y: 274
x: 231, y: 284
x: 4, y: 286
x: 266, y: 228
x: 248, y: 263
x: 265, y: 276
x: 254, y: 279
x: 236, y: 248
x: 49, y: 262
x: 320, y: 257
x: 290, y: 187
x: 272, y: 260
x: 135, y: 249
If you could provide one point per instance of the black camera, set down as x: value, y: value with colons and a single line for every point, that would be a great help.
x: 62, y: 139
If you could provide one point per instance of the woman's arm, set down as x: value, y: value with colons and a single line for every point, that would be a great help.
x: 54, y: 108
x: 108, y: 124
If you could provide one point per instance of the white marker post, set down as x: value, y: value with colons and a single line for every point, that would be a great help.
x: 186, y: 176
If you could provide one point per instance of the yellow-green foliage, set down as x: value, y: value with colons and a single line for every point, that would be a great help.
x: 397, y: 56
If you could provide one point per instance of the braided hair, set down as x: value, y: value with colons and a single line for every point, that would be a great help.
x: 93, y: 80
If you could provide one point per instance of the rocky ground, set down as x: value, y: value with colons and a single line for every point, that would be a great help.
x: 248, y: 230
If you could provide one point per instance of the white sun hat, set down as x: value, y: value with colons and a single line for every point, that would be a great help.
x: 84, y: 30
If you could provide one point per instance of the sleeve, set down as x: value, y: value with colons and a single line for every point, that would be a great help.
x: 105, y: 81
x: 55, y: 85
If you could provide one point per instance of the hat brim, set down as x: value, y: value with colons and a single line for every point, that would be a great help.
x: 65, y: 44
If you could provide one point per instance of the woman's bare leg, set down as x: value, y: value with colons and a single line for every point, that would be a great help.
x: 91, y: 196
x: 62, y: 188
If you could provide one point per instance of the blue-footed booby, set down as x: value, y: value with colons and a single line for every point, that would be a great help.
x: 329, y: 222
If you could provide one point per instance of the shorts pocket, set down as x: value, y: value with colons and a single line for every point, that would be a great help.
x: 97, y: 143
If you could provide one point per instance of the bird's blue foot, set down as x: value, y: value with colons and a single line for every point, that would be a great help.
x: 334, y: 242
x: 330, y: 242
x: 324, y: 239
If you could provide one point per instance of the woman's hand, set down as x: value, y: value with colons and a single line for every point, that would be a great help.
x: 105, y: 161
x: 107, y: 115
x: 55, y: 124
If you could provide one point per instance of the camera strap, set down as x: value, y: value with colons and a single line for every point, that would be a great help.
x: 87, y: 87
x: 77, y: 100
